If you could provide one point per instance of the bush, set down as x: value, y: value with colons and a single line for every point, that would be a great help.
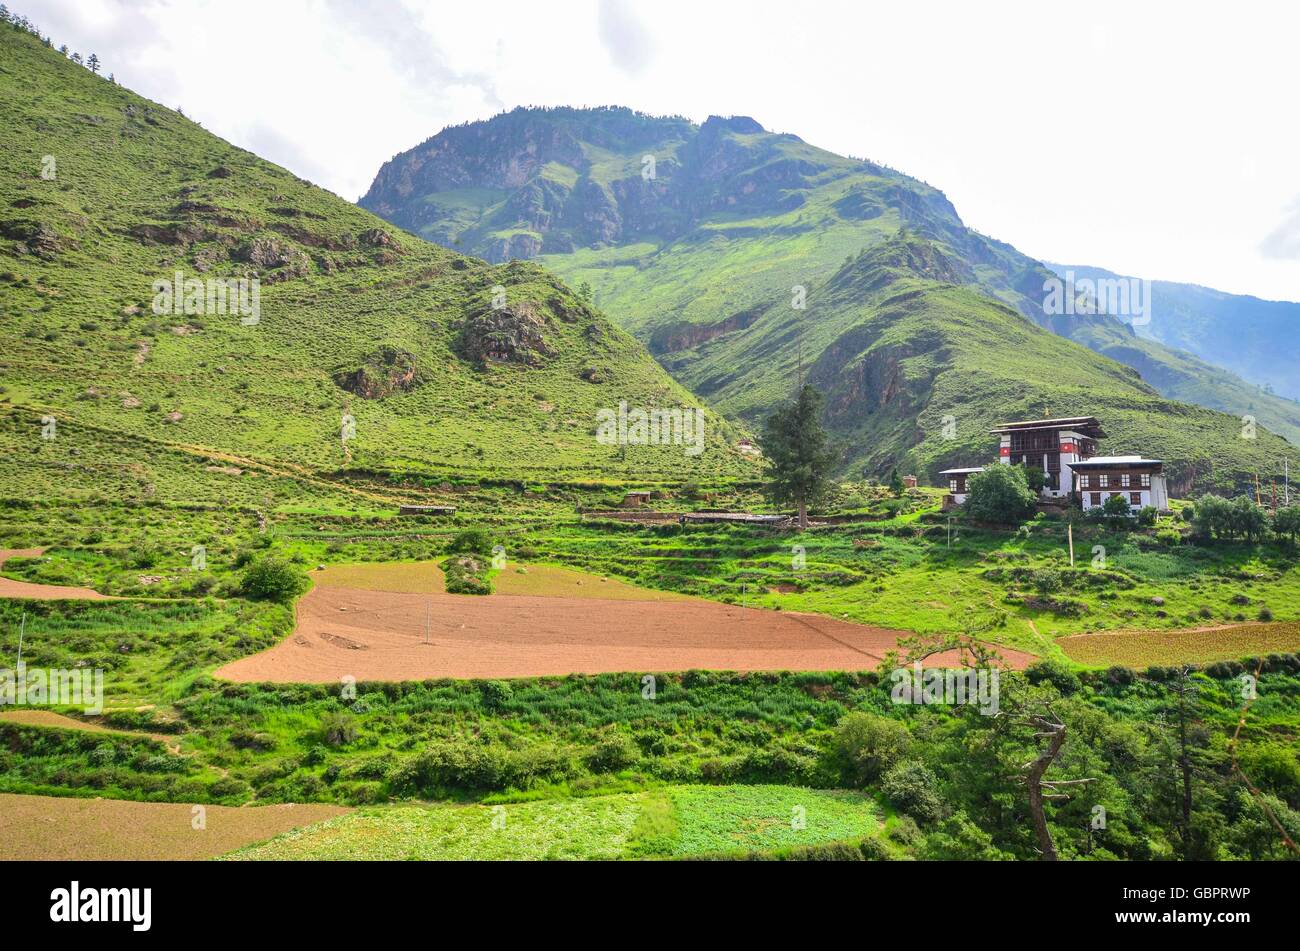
x: 1055, y: 673
x: 910, y: 786
x: 274, y: 579
x: 1147, y: 516
x: 867, y: 746
x: 1001, y: 495
x: 338, y: 729
x: 474, y: 541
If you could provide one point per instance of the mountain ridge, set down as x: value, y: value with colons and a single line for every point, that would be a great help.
x: 698, y: 257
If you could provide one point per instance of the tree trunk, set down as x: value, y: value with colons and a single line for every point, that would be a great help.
x: 1034, y: 782
x: 803, y: 515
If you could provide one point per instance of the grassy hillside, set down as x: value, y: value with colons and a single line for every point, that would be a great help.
x: 106, y: 193
x: 901, y: 346
x: 697, y: 259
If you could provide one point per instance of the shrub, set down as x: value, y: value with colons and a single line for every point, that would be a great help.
x: 1147, y: 516
x: 910, y: 786
x: 338, y: 729
x: 612, y: 752
x: 274, y: 579
x: 866, y: 746
x: 474, y: 541
x: 1055, y: 673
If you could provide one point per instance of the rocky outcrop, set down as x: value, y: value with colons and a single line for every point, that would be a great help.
x: 384, y: 372
x: 511, y: 334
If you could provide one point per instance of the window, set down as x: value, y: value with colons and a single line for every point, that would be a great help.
x: 1146, y: 480
x: 1124, y: 480
x: 1084, y: 481
x: 1105, y: 480
x: 952, y: 485
x: 1096, y: 498
x: 1135, y: 498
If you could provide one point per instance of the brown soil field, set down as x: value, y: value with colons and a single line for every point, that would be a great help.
x: 1201, y: 645
x: 49, y: 592
x: 58, y: 829
x: 380, y: 635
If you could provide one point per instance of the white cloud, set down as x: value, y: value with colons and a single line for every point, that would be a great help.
x: 1150, y: 139
x: 1283, y: 242
x: 623, y: 36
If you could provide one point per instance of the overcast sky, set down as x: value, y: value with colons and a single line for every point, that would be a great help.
x: 1159, y: 141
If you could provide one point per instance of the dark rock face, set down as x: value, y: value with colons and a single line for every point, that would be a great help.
x: 387, y: 371
x: 512, y: 334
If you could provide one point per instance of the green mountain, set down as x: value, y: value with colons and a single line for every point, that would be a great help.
x: 122, y: 222
x: 1257, y: 339
x: 701, y: 239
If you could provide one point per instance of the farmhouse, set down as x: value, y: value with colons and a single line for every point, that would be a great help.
x: 426, y: 510
x: 1053, y: 445
x: 1065, y: 449
x: 1140, y: 481
x: 957, y: 485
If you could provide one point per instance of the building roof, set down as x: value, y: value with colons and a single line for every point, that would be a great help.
x: 961, y: 471
x: 1103, y: 462
x: 1088, y: 425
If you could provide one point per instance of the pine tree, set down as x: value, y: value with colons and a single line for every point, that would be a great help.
x: 92, y: 64
x: 796, y: 445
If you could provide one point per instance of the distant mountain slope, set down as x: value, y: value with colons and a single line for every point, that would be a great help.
x: 690, y: 250
x: 1258, y: 339
x: 355, y: 318
x: 917, y: 366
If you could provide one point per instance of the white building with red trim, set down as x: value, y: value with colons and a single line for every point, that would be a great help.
x: 1065, y: 449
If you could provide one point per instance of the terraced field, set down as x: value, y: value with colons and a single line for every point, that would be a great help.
x: 1202, y: 645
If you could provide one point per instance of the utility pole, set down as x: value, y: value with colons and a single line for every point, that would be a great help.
x: 1069, y: 532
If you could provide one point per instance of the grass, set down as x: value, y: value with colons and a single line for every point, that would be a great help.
x: 83, y: 344
x: 675, y: 821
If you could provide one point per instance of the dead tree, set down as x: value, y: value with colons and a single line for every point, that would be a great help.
x: 1047, y: 726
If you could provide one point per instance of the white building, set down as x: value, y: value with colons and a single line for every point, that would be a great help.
x: 1140, y: 481
x: 958, y: 487
x: 1053, y: 445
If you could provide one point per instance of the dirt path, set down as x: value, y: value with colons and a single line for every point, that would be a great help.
x: 380, y: 635
x: 52, y: 720
x: 46, y: 592
x: 52, y: 828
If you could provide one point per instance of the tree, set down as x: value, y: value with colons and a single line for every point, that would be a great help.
x: 1286, y: 522
x: 1000, y: 494
x: 796, y: 446
x: 76, y: 58
x: 274, y: 579
x: 1117, y: 510
x: 896, y: 484
x: 92, y: 64
x: 1035, y: 477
